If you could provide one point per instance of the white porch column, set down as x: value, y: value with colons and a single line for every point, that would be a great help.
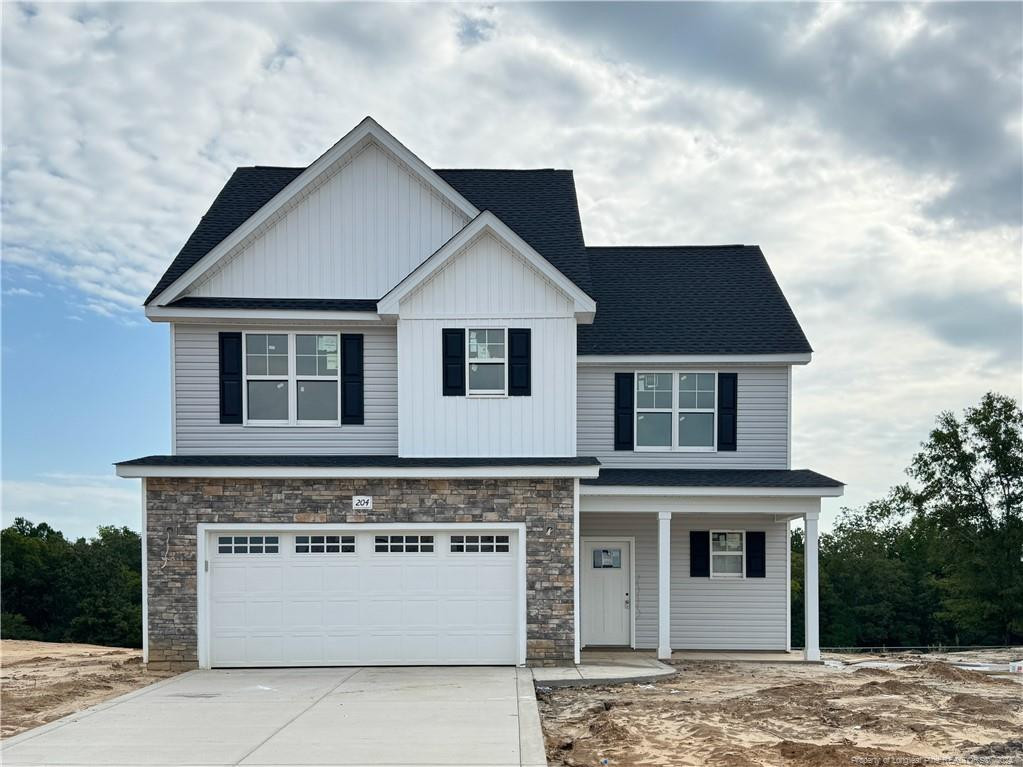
x: 663, y: 585
x: 812, y: 644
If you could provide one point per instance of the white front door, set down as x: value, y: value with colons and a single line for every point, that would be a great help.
x: 606, y: 599
x: 348, y: 597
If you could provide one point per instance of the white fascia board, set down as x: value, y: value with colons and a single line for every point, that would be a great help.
x: 388, y: 306
x: 684, y: 492
x: 367, y: 129
x: 273, y: 316
x: 355, y: 472
x: 694, y: 359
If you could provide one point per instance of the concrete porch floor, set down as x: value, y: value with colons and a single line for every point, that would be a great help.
x: 741, y: 656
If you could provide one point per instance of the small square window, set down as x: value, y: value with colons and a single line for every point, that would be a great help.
x: 605, y: 559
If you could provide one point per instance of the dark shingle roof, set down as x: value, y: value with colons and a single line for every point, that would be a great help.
x: 688, y: 300
x: 248, y: 190
x: 540, y: 206
x: 308, y: 304
x: 349, y: 461
x: 766, y: 478
x: 650, y: 300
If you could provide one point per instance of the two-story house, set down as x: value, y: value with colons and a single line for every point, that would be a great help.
x: 417, y: 420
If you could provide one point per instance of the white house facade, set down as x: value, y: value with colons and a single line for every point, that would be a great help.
x: 417, y: 420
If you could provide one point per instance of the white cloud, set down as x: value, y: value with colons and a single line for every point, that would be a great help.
x: 74, y: 504
x: 122, y: 121
x: 22, y: 292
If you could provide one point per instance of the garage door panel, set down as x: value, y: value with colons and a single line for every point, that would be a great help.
x: 362, y: 607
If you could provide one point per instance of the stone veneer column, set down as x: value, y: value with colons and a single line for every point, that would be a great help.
x: 174, y: 506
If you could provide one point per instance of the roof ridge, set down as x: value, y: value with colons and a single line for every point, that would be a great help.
x: 505, y: 170
x: 669, y: 247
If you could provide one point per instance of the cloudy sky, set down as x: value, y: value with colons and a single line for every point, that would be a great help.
x: 873, y: 151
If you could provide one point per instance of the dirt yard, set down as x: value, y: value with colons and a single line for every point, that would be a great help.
x: 760, y: 715
x: 43, y: 681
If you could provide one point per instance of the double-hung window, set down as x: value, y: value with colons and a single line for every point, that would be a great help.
x: 727, y: 552
x: 486, y: 362
x: 291, y: 378
x: 676, y: 411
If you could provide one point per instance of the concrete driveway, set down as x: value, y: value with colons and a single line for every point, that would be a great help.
x: 344, y: 716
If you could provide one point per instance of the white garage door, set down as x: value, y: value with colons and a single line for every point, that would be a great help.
x: 381, y: 596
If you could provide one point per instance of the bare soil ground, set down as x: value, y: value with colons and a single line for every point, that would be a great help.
x: 761, y: 715
x: 43, y: 681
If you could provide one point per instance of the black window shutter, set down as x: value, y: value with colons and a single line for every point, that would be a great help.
x: 352, y: 383
x: 728, y: 410
x: 230, y: 377
x: 756, y: 554
x: 625, y: 422
x: 699, y: 553
x: 518, y: 362
x: 453, y: 361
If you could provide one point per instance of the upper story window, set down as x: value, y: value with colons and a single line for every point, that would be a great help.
x: 676, y: 411
x: 486, y: 362
x: 291, y: 378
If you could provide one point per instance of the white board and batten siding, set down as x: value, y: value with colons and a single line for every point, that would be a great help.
x: 197, y: 403
x: 706, y: 613
x: 355, y: 234
x: 487, y: 285
x: 763, y: 420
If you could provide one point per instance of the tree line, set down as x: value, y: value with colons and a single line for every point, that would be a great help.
x: 938, y: 561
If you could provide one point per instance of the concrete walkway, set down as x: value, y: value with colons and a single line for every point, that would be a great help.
x: 341, y: 716
x: 604, y: 667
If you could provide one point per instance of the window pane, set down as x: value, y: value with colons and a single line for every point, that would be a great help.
x: 727, y: 542
x: 268, y: 400
x: 607, y: 558
x: 255, y: 365
x: 486, y: 344
x: 305, y: 365
x: 255, y: 343
x: 704, y: 399
x: 277, y: 344
x: 696, y: 430
x: 277, y: 365
x: 705, y: 382
x: 489, y: 377
x: 327, y: 365
x: 317, y: 400
x: 305, y: 344
x: 686, y: 399
x: 653, y: 429
x: 686, y: 382
x: 727, y: 564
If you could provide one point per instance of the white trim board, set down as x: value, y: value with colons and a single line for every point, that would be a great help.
x: 486, y: 222
x: 683, y: 492
x: 367, y: 130
x: 777, y: 508
x: 367, y: 472
x: 695, y: 359
x: 205, y: 529
x: 275, y: 316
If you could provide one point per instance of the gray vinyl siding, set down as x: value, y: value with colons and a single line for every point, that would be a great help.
x: 763, y: 421
x: 197, y: 405
x: 706, y: 613
x: 643, y: 527
x: 728, y: 613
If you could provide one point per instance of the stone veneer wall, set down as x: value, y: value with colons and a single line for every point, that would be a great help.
x: 174, y: 506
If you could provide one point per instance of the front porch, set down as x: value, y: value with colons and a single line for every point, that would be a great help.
x: 695, y: 577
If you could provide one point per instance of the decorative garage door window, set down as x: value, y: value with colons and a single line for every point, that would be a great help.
x: 473, y: 544
x: 248, y: 544
x: 607, y: 558
x: 324, y: 544
x: 403, y: 544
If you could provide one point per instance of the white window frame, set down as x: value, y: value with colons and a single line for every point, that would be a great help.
x: 484, y: 393
x: 675, y: 412
x: 292, y: 378
x: 740, y: 554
